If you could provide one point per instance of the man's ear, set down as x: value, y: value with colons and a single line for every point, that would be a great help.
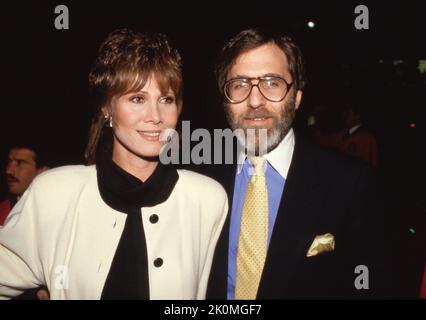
x: 42, y: 169
x: 299, y: 95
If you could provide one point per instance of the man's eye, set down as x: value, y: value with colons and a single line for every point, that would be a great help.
x: 137, y: 99
x: 239, y: 85
x: 272, y: 83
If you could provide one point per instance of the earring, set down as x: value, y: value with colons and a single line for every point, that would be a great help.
x: 108, y: 121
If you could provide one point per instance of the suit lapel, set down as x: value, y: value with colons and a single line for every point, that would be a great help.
x: 295, y: 224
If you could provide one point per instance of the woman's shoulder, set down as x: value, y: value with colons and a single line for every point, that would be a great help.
x: 203, y: 193
x: 53, y: 190
x: 71, y: 175
x: 199, y: 182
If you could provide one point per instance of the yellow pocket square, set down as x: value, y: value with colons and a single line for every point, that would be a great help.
x: 322, y: 243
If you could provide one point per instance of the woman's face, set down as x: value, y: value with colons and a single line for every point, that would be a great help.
x: 139, y: 118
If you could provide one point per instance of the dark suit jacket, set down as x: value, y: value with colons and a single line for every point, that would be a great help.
x: 324, y: 193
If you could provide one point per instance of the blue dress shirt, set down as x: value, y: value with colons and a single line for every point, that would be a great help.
x: 275, y: 185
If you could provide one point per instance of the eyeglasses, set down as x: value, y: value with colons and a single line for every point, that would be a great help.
x: 272, y: 88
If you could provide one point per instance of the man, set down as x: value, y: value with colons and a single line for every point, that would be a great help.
x: 24, y: 164
x: 302, y: 221
x: 353, y: 140
x: 357, y: 141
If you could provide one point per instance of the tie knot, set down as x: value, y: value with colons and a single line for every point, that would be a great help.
x: 258, y: 163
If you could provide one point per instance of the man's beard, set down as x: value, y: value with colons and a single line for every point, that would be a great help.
x: 275, y: 133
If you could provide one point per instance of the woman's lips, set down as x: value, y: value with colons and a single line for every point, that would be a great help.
x: 150, y: 135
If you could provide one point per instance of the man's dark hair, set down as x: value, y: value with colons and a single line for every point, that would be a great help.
x: 40, y: 156
x: 252, y: 38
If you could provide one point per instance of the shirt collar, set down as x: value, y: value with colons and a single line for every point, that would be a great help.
x: 354, y: 128
x: 279, y: 158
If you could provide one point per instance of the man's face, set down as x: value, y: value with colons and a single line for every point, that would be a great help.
x: 256, y: 112
x: 21, y: 170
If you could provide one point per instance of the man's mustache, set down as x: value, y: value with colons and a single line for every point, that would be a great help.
x: 12, y: 178
x: 257, y: 114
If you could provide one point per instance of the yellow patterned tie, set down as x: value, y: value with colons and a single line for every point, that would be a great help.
x: 252, y: 243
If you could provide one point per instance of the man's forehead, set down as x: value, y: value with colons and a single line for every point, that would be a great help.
x: 21, y: 154
x: 265, y: 59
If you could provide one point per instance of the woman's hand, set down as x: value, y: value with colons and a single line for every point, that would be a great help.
x: 43, y: 294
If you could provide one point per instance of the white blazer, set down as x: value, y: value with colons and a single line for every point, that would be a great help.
x: 62, y: 235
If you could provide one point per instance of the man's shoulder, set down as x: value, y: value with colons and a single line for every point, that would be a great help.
x: 329, y: 162
x: 4, y: 203
x: 5, y: 208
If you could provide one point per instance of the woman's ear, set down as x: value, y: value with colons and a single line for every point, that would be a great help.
x: 107, y: 116
x: 105, y: 111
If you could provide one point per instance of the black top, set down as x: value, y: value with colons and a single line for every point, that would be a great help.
x: 128, y: 276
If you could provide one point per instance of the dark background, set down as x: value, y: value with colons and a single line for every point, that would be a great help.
x: 44, y: 75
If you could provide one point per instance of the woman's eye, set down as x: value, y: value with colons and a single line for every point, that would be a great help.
x: 137, y: 99
x: 167, y: 100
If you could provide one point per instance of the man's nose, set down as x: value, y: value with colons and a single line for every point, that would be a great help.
x: 10, y: 169
x: 256, y: 99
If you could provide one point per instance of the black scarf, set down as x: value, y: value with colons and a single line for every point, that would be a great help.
x: 128, y: 276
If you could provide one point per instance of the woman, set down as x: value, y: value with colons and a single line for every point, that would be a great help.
x: 127, y: 227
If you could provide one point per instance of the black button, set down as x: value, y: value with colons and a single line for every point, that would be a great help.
x: 153, y: 218
x: 158, y: 262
